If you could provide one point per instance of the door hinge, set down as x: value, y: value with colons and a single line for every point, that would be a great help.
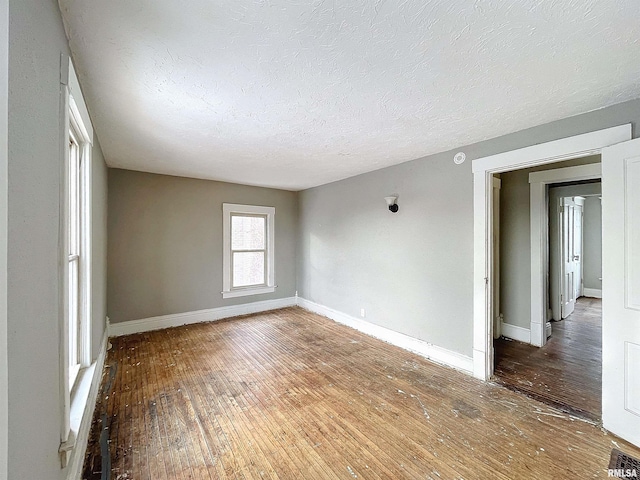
x: 486, y: 280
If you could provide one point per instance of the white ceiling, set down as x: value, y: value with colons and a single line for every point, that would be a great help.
x: 293, y: 93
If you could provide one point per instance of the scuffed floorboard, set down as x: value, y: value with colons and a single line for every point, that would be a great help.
x: 289, y: 394
x: 567, y: 371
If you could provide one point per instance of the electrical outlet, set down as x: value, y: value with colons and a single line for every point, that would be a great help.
x: 362, y: 313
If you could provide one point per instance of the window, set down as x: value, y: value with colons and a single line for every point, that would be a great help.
x: 78, y: 246
x: 73, y: 239
x: 248, y: 250
x: 75, y: 250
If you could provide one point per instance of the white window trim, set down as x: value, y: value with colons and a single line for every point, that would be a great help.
x: 228, y: 209
x: 85, y: 141
x: 74, y: 394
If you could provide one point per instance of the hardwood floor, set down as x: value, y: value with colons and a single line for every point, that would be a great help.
x: 292, y: 395
x: 567, y: 371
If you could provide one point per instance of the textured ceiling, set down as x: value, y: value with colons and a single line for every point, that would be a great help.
x: 293, y: 93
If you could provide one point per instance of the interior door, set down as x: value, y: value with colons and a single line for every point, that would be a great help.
x: 578, y: 216
x: 568, y: 264
x: 621, y: 290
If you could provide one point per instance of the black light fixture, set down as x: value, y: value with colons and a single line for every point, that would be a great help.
x: 391, y: 202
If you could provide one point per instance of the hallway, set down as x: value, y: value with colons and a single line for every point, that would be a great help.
x: 567, y: 371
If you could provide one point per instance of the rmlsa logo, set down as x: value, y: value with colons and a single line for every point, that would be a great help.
x: 622, y: 473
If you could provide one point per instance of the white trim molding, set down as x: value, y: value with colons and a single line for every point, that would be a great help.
x: 77, y: 127
x: 577, y: 146
x: 269, y: 286
x: 539, y: 238
x: 432, y: 352
x: 198, y: 316
x: 483, y: 170
x: 82, y: 412
x: 425, y: 349
x: 592, y: 292
x: 514, y: 332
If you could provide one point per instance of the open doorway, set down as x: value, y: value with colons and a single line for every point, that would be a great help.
x: 620, y: 172
x: 564, y: 369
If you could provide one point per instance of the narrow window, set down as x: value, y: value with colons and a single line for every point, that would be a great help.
x: 73, y: 240
x: 78, y: 245
x: 75, y: 255
x: 248, y: 250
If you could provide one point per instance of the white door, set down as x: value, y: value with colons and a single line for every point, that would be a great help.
x: 578, y: 216
x: 621, y: 290
x: 568, y: 263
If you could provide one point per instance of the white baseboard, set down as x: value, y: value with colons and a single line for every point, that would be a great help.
x: 592, y: 292
x: 187, y: 318
x: 422, y: 348
x: 425, y: 349
x: 516, y: 333
x: 77, y: 458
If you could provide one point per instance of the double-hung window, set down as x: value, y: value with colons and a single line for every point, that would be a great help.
x: 75, y: 354
x: 248, y: 258
x: 77, y: 220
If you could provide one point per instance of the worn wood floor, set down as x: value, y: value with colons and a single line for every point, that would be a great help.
x: 567, y: 371
x: 291, y: 395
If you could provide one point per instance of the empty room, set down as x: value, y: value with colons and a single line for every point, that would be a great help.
x: 275, y: 239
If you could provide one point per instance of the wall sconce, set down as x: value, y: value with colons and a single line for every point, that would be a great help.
x: 391, y: 202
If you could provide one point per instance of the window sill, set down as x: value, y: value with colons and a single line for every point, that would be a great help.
x: 243, y: 292
x: 79, y: 398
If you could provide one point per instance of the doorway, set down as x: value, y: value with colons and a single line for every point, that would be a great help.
x: 563, y: 370
x: 620, y: 262
x: 483, y: 271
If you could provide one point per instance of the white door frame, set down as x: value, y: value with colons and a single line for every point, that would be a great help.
x: 495, y: 314
x: 483, y: 170
x: 539, y: 218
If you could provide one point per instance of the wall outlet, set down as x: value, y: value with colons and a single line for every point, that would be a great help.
x: 362, y: 313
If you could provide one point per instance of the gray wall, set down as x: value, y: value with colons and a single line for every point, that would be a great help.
x: 555, y: 255
x: 592, y: 247
x: 35, y: 129
x: 36, y: 39
x: 515, y: 242
x: 165, y: 243
x: 4, y: 160
x: 401, y: 268
x: 99, y: 246
x: 412, y: 271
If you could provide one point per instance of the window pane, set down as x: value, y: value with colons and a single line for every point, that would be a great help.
x: 247, y: 233
x: 248, y: 269
x: 74, y: 199
x: 74, y: 320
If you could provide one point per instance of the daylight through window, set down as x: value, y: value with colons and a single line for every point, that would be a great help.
x: 249, y: 238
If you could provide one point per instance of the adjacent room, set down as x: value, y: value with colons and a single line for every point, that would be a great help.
x: 275, y: 239
x: 567, y: 370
